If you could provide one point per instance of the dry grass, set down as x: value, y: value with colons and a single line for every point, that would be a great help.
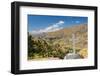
x: 83, y: 53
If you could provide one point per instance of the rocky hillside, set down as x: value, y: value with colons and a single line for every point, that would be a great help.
x: 65, y: 35
x: 59, y: 43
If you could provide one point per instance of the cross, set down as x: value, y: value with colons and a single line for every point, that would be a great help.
x: 74, y: 40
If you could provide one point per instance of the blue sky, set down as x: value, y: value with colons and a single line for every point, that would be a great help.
x: 47, y: 23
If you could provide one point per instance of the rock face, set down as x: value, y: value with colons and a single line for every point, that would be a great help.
x: 72, y: 56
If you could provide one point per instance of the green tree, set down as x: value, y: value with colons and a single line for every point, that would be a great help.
x: 30, y: 46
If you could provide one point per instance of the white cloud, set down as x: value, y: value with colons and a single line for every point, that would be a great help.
x: 61, y: 22
x: 54, y: 27
x: 77, y: 21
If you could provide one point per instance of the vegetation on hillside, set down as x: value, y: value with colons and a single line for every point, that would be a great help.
x: 57, y: 44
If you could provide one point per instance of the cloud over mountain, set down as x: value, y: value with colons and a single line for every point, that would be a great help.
x: 54, y: 27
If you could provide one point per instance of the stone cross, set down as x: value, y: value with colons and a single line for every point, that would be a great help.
x: 74, y: 41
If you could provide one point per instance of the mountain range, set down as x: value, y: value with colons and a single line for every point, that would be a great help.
x: 65, y: 35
